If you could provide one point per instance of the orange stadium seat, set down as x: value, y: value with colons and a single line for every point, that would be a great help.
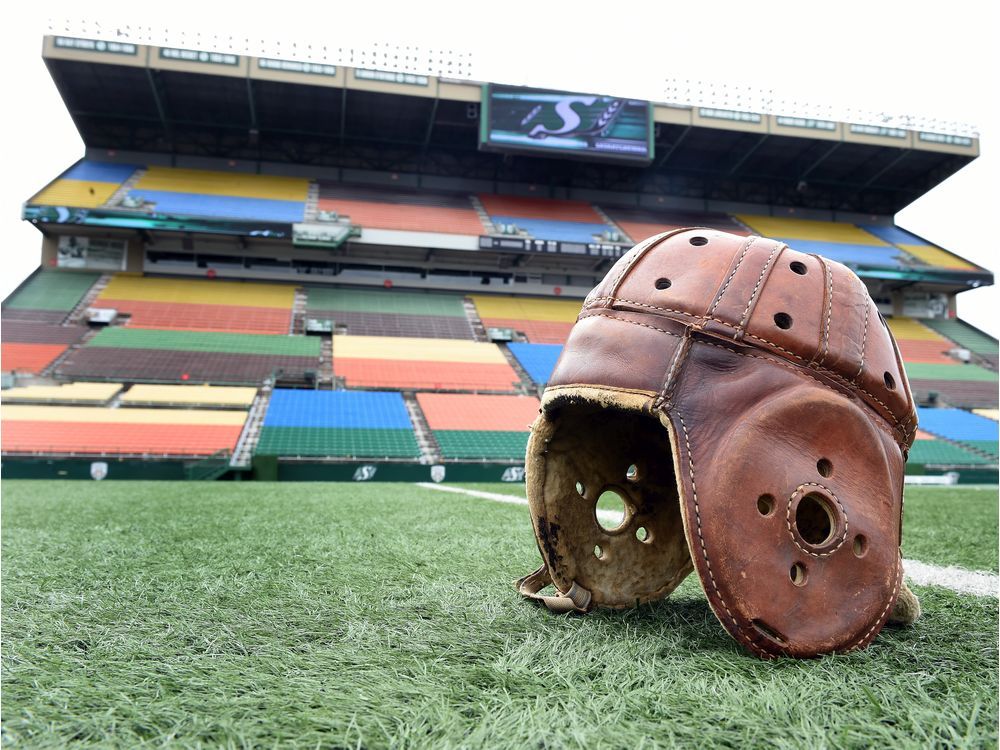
x: 119, y: 438
x: 537, y: 331
x: 172, y: 316
x: 31, y: 358
x: 403, y: 217
x: 540, y: 208
x: 461, y: 411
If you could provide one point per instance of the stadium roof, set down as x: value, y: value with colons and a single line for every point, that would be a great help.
x: 139, y: 98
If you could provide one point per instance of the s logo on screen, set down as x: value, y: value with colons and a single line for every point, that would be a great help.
x: 99, y: 470
x: 437, y: 473
x: 365, y: 473
x: 513, y: 474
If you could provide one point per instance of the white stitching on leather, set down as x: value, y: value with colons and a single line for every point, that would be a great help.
x: 760, y: 279
x: 788, y: 518
x: 864, y: 339
x: 829, y: 313
x: 704, y: 551
x: 746, y: 248
x: 603, y: 314
x: 863, y: 640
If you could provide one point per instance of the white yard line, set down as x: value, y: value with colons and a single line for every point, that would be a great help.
x: 979, y: 583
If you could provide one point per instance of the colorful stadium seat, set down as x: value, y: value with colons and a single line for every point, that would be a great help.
x: 377, y: 312
x: 337, y: 424
x: 81, y: 430
x: 415, y: 363
x: 538, y: 360
x: 85, y: 185
x: 67, y: 393
x: 200, y: 305
x: 444, y: 213
x: 542, y: 321
x: 201, y: 396
x: 479, y: 426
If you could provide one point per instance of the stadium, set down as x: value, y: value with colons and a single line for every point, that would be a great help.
x: 288, y: 329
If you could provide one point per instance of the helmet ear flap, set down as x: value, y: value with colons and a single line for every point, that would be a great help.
x: 625, y: 555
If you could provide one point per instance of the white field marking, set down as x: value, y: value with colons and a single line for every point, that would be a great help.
x: 979, y: 583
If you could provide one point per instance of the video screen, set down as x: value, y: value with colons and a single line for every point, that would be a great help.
x: 559, y: 123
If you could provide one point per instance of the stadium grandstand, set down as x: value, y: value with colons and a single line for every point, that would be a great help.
x: 268, y: 269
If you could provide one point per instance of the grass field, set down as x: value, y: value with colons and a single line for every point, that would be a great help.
x: 378, y: 615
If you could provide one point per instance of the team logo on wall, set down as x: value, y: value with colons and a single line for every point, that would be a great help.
x: 99, y: 469
x: 513, y: 474
x: 364, y: 473
x: 437, y: 473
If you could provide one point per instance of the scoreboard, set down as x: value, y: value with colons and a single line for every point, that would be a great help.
x: 560, y: 123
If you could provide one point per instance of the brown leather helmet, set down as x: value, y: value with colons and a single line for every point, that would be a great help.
x: 748, y: 405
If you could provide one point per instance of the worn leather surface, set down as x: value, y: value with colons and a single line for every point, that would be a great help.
x: 788, y: 415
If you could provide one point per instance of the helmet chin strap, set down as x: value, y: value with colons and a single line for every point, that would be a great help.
x: 577, y: 599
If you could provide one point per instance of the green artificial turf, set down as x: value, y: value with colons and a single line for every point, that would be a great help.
x: 379, y: 615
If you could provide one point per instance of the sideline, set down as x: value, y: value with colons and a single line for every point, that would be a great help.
x: 978, y: 583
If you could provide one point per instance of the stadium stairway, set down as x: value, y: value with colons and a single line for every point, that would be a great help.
x: 430, y: 451
x: 87, y: 300
x: 478, y: 330
x: 118, y: 196
x: 247, y: 442
x: 484, y: 215
x: 298, y: 321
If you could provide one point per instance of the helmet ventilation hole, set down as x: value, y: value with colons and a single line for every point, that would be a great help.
x: 799, y: 268
x: 580, y: 489
x: 824, y: 467
x: 642, y: 534
x: 783, y: 321
x: 860, y: 545
x: 698, y: 241
x: 632, y: 473
x: 890, y: 382
x: 765, y: 505
x: 610, y: 510
x: 814, y: 520
x: 662, y: 283
x: 798, y: 574
x: 598, y: 552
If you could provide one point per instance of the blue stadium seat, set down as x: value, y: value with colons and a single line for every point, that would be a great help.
x: 894, y: 235
x: 547, y: 229
x: 225, y: 206
x: 537, y: 359
x: 869, y: 255
x: 956, y: 424
x: 361, y: 409
x: 95, y: 171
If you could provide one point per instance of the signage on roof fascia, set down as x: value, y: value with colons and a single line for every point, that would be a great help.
x: 190, y: 55
x: 728, y: 114
x: 950, y: 140
x: 528, y: 245
x: 295, y: 66
x: 805, y: 122
x: 96, y: 45
x: 387, y: 76
x: 879, y: 130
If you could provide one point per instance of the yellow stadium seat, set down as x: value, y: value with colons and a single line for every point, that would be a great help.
x: 426, y: 350
x: 96, y: 393
x: 199, y: 292
x: 527, y: 308
x: 783, y: 227
x: 912, y: 330
x: 224, y: 183
x: 98, y: 414
x: 75, y: 194
x: 190, y: 395
x: 993, y: 414
x: 935, y: 256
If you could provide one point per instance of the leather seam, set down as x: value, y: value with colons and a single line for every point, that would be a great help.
x: 756, y: 289
x: 788, y: 518
x: 640, y: 250
x: 829, y: 314
x: 864, y: 341
x: 732, y: 274
x: 602, y: 314
x: 863, y: 640
x: 832, y: 374
x: 802, y: 373
x: 704, y: 551
x: 614, y: 299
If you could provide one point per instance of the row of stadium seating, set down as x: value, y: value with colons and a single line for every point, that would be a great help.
x: 369, y: 424
x: 267, y: 198
x: 235, y: 332
x: 349, y: 424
